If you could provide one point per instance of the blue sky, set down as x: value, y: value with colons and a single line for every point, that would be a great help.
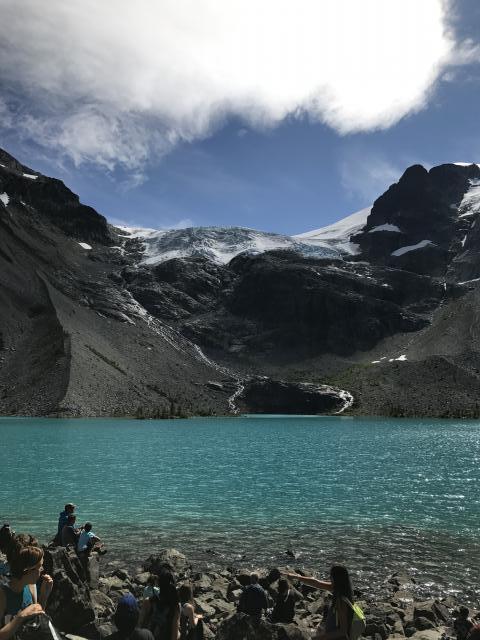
x: 262, y: 154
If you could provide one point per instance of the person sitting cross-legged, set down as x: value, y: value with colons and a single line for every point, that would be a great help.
x: 88, y: 541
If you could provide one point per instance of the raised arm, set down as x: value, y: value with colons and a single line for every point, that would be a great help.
x: 309, y: 581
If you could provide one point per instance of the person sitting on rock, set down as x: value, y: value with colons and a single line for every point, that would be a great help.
x: 88, y: 541
x: 284, y: 609
x: 339, y: 617
x: 253, y: 600
x: 62, y: 521
x: 462, y: 624
x: 162, y: 612
x: 191, y: 626
x: 70, y: 534
x: 126, y: 618
x: 18, y: 599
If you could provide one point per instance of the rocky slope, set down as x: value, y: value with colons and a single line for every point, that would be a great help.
x: 83, y: 601
x: 376, y: 314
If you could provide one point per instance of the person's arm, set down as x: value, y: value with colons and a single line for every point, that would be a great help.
x: 310, y: 581
x: 17, y: 621
x: 144, y: 613
x: 176, y: 624
x: 192, y: 617
x: 45, y: 590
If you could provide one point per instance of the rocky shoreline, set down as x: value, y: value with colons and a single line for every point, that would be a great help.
x: 82, y: 602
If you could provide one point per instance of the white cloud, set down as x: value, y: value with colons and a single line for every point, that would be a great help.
x: 114, y: 82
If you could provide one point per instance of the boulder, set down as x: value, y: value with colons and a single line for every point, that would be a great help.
x: 69, y: 605
x: 111, y: 583
x: 441, y: 611
x: 425, y: 610
x: 243, y: 627
x: 102, y: 604
x: 202, y: 607
x: 428, y: 634
x: 423, y: 623
x: 169, y: 559
x: 222, y: 608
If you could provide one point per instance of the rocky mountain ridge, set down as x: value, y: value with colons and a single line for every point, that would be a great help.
x: 382, y: 321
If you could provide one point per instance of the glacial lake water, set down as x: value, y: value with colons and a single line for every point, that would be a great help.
x: 381, y: 495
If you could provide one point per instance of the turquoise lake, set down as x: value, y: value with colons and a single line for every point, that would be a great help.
x: 381, y: 495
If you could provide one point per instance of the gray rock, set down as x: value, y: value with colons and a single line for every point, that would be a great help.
x: 202, y: 607
x: 166, y: 558
x: 142, y: 578
x: 102, y: 604
x: 222, y: 608
x: 421, y: 623
x: 111, y: 583
x: 242, y: 627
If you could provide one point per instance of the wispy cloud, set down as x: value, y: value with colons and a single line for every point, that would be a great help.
x: 116, y: 83
x: 365, y: 176
x: 184, y: 223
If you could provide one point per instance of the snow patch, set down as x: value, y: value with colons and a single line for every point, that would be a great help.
x: 401, y: 358
x: 412, y: 247
x: 337, y: 235
x: 385, y: 227
x: 31, y: 176
x: 470, y: 204
x: 468, y: 281
x: 4, y: 197
x: 138, y: 232
x: 466, y: 164
x: 84, y: 245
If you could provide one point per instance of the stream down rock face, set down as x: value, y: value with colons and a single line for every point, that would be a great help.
x: 271, y: 396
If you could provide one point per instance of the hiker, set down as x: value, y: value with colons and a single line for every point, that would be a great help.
x: 462, y: 624
x: 253, y: 599
x: 284, y: 609
x: 161, y: 612
x: 70, y: 534
x: 18, y: 599
x: 126, y: 618
x: 191, y: 625
x: 88, y: 541
x: 62, y: 521
x: 341, y: 613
